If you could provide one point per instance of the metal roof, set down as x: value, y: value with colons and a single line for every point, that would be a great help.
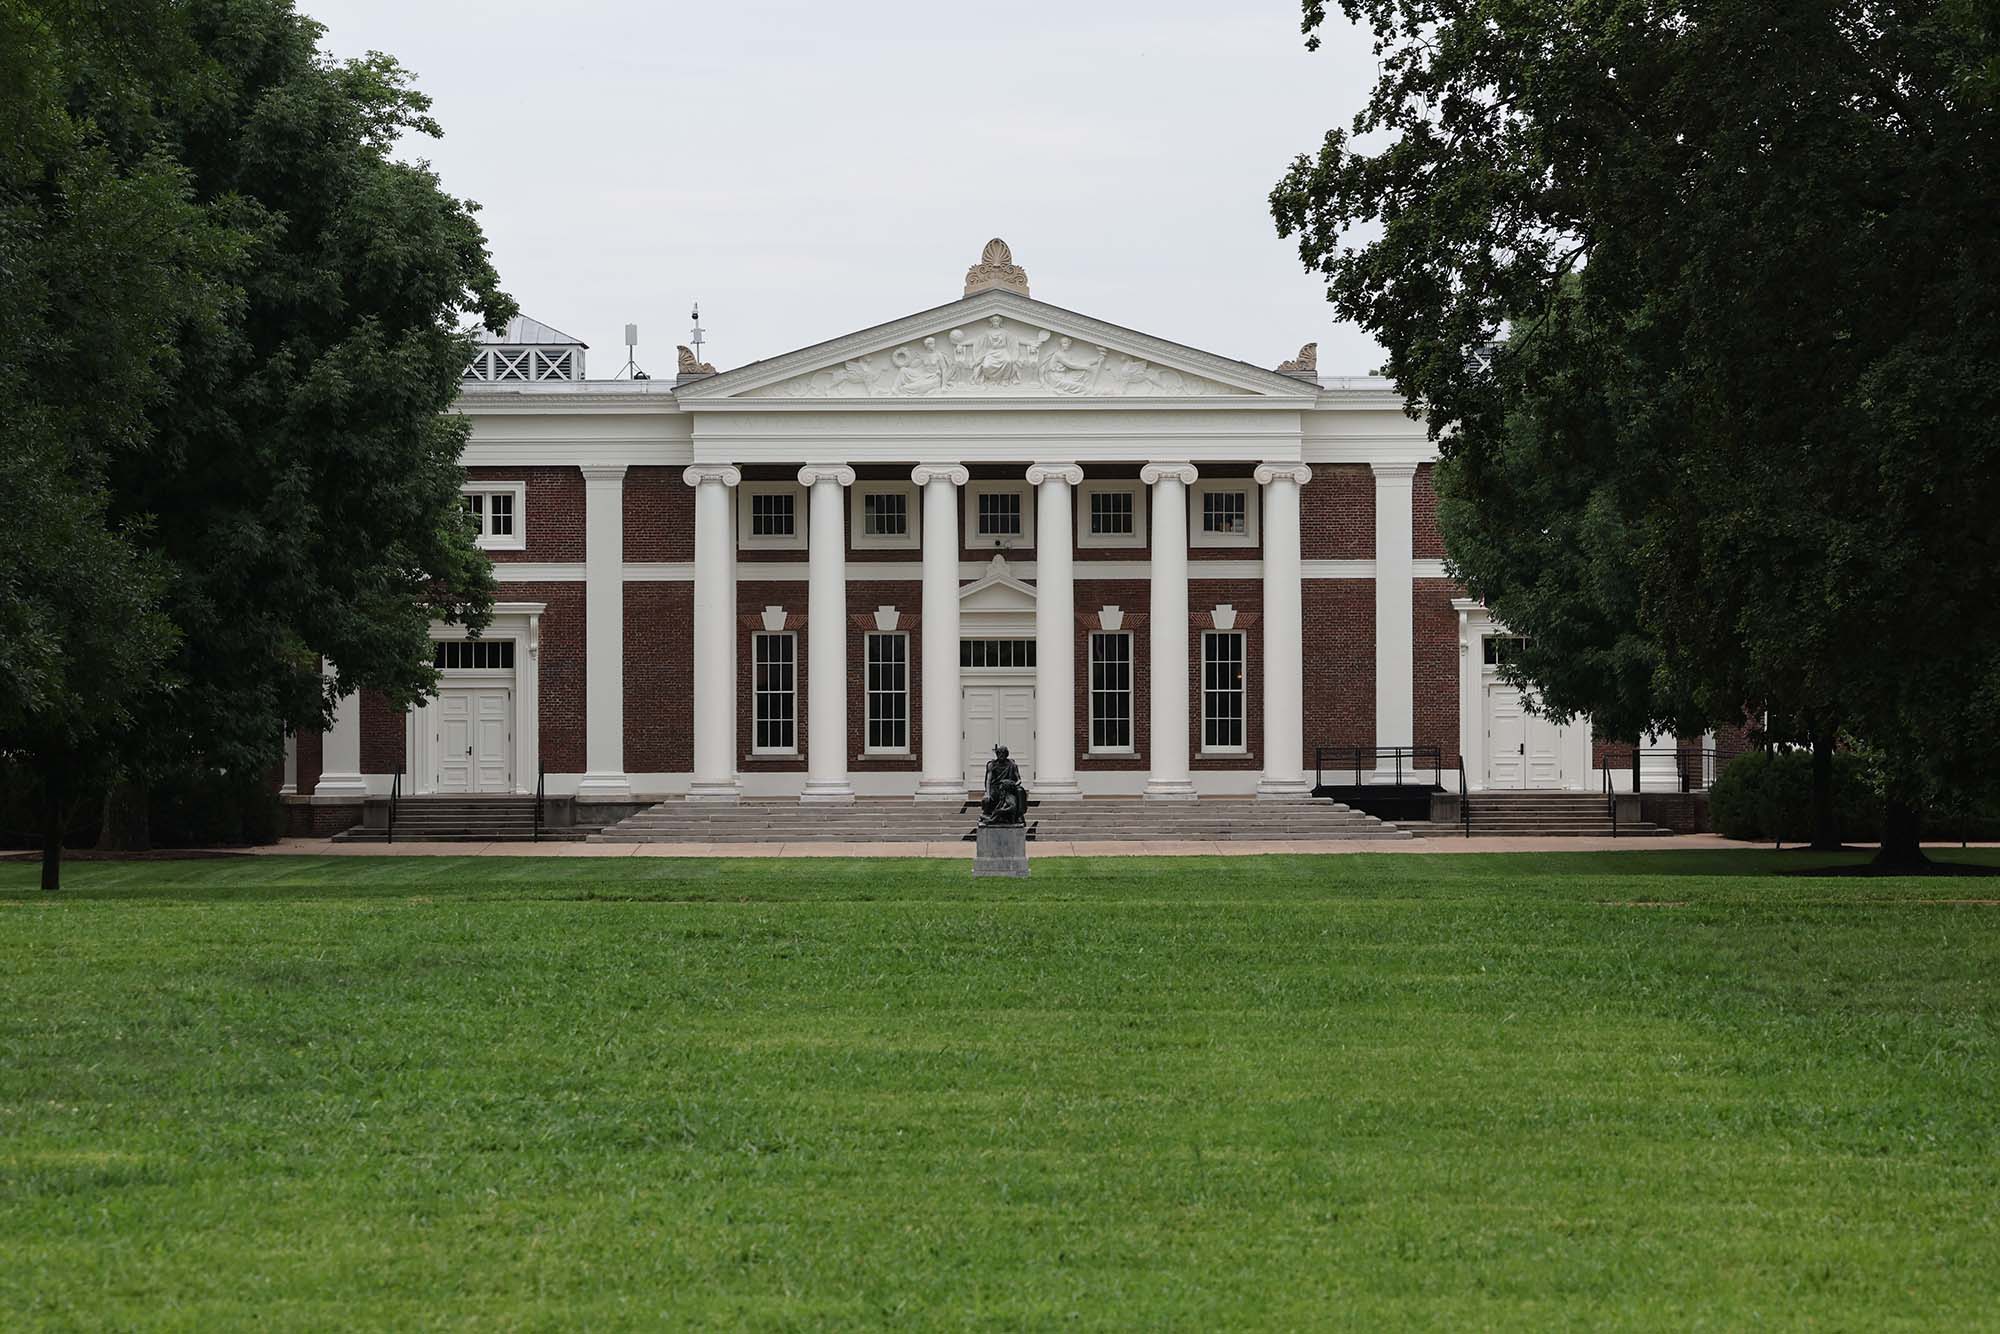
x: 522, y: 330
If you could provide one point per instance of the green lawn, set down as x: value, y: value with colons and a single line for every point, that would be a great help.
x: 1640, y: 1090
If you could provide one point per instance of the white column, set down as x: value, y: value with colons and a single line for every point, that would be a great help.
x: 1395, y: 624
x: 604, y: 631
x: 1055, y: 632
x: 944, y: 765
x: 340, y: 752
x: 290, y: 787
x: 1284, y: 634
x: 1167, y: 642
x: 826, y: 632
x: 714, y: 632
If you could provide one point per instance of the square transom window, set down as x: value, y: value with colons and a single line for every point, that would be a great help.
x: 1111, y: 513
x: 495, y: 509
x: 999, y: 514
x: 885, y: 514
x: 1226, y: 513
x: 773, y: 514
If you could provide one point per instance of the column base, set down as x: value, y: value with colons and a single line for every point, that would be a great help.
x: 604, y: 787
x: 826, y: 792
x: 345, y: 787
x: 1169, y: 789
x: 724, y: 791
x: 1283, y: 789
x: 941, y: 789
x: 1055, y: 789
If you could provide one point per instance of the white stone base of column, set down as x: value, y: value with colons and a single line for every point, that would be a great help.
x: 1053, y: 790
x: 603, y: 787
x: 826, y: 794
x: 717, y: 793
x: 1181, y: 789
x: 346, y: 787
x: 941, y: 790
x: 1284, y: 789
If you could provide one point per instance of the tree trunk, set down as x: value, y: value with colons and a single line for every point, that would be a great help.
x: 52, y: 826
x: 1826, y: 823
x: 1635, y: 764
x: 126, y: 827
x: 1902, y: 835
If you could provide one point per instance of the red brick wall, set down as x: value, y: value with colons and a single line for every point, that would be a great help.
x: 751, y: 599
x: 1339, y: 662
x: 384, y: 734
x: 1434, y: 665
x: 560, y: 665
x: 907, y: 597
x: 659, y: 518
x: 310, y: 746
x: 659, y: 675
x: 1337, y: 513
x: 554, y: 511
x: 1427, y: 542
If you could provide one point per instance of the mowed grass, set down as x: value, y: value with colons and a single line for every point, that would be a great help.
x: 1664, y: 1089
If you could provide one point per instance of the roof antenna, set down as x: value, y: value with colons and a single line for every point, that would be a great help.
x: 695, y: 337
x: 631, y: 368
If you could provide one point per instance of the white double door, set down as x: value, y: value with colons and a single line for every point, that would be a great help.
x: 474, y: 737
x: 998, y: 713
x: 1522, y: 750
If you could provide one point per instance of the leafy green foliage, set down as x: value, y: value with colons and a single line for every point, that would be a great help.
x: 1768, y: 795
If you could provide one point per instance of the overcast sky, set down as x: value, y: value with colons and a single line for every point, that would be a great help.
x: 808, y: 169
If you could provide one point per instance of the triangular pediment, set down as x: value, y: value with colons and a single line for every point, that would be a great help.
x: 996, y: 345
x: 997, y: 592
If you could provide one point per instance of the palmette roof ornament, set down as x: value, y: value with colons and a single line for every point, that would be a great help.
x: 689, y: 365
x: 1305, y: 363
x: 996, y: 268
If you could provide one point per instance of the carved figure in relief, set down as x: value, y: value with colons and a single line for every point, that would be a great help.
x: 920, y: 373
x: 858, y: 376
x: 1138, y: 379
x: 1065, y: 371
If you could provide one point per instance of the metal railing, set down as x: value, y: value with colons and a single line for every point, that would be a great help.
x: 1694, y: 767
x: 1407, y: 761
x: 1464, y: 803
x: 395, y: 797
x: 541, y: 788
x: 1610, y: 802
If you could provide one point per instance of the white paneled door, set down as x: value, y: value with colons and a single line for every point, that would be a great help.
x: 475, y: 740
x: 998, y: 714
x: 1522, y: 750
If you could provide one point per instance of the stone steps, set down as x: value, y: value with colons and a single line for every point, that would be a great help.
x: 899, y: 820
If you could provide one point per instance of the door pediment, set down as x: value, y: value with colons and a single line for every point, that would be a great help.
x: 995, y: 345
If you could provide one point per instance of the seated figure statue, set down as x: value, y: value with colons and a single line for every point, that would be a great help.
x: 1006, y: 801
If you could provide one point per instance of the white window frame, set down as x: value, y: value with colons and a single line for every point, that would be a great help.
x: 1131, y: 703
x: 518, y: 539
x: 868, y: 693
x: 1198, y: 504
x: 757, y: 696
x: 861, y: 539
x: 1085, y: 538
x: 747, y: 541
x: 974, y: 540
x: 1242, y: 692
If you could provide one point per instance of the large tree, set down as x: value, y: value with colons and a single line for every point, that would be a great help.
x: 1781, y: 219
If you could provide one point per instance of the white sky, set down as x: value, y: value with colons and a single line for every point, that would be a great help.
x: 808, y: 169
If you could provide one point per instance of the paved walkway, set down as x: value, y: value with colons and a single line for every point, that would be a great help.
x: 958, y: 850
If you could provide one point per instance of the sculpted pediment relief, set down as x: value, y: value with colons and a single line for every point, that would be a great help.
x: 996, y: 357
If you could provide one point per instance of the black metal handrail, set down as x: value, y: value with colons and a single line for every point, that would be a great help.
x: 395, y: 796
x: 1464, y: 802
x: 1694, y: 767
x: 1368, y: 757
x: 1610, y: 801
x: 541, y: 788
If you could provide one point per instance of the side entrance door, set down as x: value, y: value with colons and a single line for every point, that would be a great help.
x: 998, y: 714
x: 1506, y: 738
x: 475, y: 740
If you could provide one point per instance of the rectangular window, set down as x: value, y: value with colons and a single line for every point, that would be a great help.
x: 1111, y: 514
x: 1500, y: 649
x: 774, y: 693
x: 999, y: 514
x: 1225, y: 512
x: 500, y: 514
x: 495, y: 510
x: 885, y: 514
x: 1222, y: 690
x: 889, y: 692
x: 473, y: 654
x: 1110, y: 691
x: 996, y: 652
x: 771, y: 514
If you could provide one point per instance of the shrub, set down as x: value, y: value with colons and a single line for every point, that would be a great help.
x: 1768, y: 795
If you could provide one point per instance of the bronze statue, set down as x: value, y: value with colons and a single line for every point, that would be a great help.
x: 1006, y: 801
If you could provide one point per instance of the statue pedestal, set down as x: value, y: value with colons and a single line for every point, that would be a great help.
x: 1000, y: 850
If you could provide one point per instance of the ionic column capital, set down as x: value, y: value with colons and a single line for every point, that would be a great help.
x: 726, y: 473
x: 838, y: 473
x: 1055, y: 472
x: 955, y: 473
x: 1268, y: 473
x: 1184, y: 473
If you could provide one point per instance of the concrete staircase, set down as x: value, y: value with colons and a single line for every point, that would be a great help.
x: 1539, y: 815
x: 901, y: 820
x: 462, y: 820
